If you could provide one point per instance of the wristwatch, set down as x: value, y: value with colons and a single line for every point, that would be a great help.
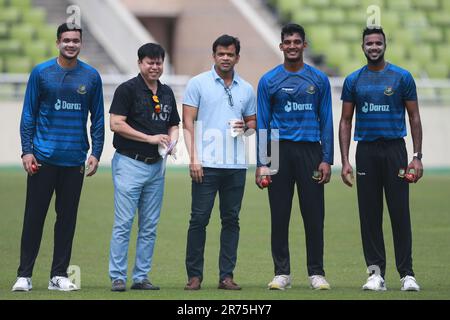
x: 418, y: 155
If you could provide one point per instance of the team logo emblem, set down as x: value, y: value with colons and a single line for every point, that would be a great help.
x: 82, y: 89
x: 311, y: 90
x: 365, y: 108
x: 389, y: 91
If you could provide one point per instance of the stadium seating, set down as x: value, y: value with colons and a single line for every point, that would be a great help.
x: 25, y: 37
x: 418, y: 32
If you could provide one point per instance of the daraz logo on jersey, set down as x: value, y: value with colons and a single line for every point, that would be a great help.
x: 62, y: 104
x: 370, y: 107
x: 294, y: 106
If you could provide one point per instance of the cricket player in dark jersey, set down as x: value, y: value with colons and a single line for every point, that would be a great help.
x: 294, y: 99
x: 60, y: 95
x: 379, y: 93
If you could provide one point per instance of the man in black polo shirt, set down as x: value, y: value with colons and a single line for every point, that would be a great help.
x: 144, y: 117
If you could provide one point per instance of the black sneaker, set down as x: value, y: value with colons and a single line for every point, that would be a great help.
x: 118, y: 285
x: 144, y: 285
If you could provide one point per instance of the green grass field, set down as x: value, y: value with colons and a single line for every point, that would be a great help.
x: 344, y: 263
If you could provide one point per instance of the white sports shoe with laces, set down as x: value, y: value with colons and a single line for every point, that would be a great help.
x: 319, y: 282
x: 61, y: 284
x: 22, y: 284
x: 409, y: 283
x: 375, y: 283
x: 280, y: 282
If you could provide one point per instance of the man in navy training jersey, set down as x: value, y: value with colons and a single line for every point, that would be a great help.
x: 379, y: 93
x: 294, y: 105
x: 144, y: 118
x: 217, y: 157
x: 60, y: 95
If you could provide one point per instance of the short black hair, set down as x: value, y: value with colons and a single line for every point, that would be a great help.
x: 151, y: 50
x: 225, y: 41
x: 373, y: 30
x: 292, y: 28
x: 65, y: 27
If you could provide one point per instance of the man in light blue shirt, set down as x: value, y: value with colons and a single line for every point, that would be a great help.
x: 218, y: 109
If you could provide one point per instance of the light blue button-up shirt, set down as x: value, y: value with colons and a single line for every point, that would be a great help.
x: 215, y: 146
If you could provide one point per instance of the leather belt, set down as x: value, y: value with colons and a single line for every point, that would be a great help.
x: 139, y: 157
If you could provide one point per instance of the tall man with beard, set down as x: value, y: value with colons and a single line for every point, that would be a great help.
x: 294, y: 99
x: 380, y: 92
x: 60, y: 95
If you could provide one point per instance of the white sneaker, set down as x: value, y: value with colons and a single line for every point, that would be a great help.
x: 280, y: 282
x: 61, y: 284
x: 375, y: 283
x: 409, y: 283
x: 319, y: 282
x: 22, y: 284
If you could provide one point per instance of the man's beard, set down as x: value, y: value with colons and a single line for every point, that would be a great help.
x: 376, y: 61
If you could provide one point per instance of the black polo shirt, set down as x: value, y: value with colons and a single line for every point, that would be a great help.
x: 133, y: 99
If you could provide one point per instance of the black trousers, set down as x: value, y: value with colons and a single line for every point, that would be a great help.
x: 298, y: 160
x: 377, y: 166
x: 66, y: 182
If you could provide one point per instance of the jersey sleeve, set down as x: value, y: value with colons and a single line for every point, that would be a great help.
x: 326, y: 123
x: 29, y: 112
x: 347, y: 90
x: 409, y: 92
x: 97, y: 119
x: 263, y: 116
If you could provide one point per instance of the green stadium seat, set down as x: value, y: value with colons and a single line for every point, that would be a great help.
x: 441, y: 19
x: 4, y: 31
x: 21, y: 4
x: 390, y: 20
x: 399, y: 5
x: 349, y: 67
x: 414, y: 19
x: 431, y: 34
x: 426, y: 5
x: 366, y: 3
x: 18, y: 64
x: 349, y: 33
x: 437, y: 70
x: 47, y: 33
x: 337, y: 55
x: 346, y: 4
x: 413, y: 67
x: 320, y: 37
x: 332, y: 16
x: 422, y: 54
x: 305, y: 16
x: 445, y: 5
x: 404, y: 37
x: 318, y: 3
x: 37, y: 51
x: 287, y: 7
x: 395, y: 53
x: 357, y: 17
x: 35, y: 17
x: 10, y: 47
x: 443, y: 53
x: 22, y: 32
x: 10, y: 15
